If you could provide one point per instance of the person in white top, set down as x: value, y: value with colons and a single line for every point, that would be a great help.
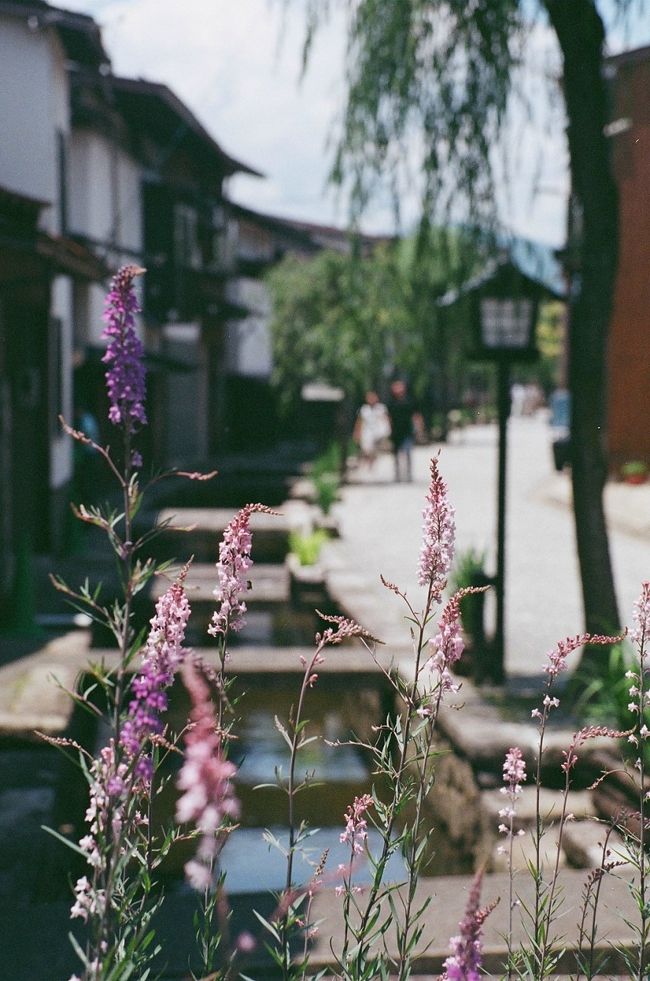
x: 372, y: 427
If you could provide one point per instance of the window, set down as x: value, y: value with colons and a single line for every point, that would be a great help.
x: 186, y: 239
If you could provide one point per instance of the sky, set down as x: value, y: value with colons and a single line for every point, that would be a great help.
x: 237, y: 65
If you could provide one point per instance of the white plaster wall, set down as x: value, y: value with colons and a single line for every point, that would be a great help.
x: 105, y: 191
x: 129, y: 203
x: 249, y: 351
x: 61, y: 446
x: 34, y: 104
x: 105, y: 206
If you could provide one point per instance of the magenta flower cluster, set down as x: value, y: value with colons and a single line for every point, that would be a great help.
x: 448, y: 644
x: 581, y: 736
x: 464, y: 964
x: 514, y: 775
x: 206, y: 776
x: 356, y: 826
x: 641, y: 616
x: 232, y: 572
x: 438, y: 537
x: 163, y: 654
x: 355, y: 835
x: 105, y: 815
x: 125, y: 376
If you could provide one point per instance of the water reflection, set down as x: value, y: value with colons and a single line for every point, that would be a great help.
x: 251, y: 865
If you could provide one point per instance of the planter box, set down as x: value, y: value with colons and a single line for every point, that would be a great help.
x: 306, y: 582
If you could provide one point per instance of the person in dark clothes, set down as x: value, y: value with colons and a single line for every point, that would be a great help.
x: 405, y: 420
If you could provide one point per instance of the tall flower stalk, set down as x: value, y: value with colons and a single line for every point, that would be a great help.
x: 125, y: 385
x: 464, y: 963
x: 113, y: 899
x: 208, y: 800
x: 514, y: 775
x: 543, y: 955
x: 232, y: 586
x: 403, y: 752
x: 295, y: 734
x: 118, y: 895
x: 638, y: 705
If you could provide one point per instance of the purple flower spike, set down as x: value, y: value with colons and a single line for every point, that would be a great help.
x: 464, y: 964
x: 124, y: 355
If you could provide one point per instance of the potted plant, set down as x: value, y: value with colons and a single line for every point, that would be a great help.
x: 469, y: 571
x: 635, y: 472
x: 306, y: 573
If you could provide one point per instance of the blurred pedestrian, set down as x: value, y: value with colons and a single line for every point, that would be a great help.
x: 405, y: 421
x: 371, y: 428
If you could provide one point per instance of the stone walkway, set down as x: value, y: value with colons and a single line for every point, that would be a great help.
x: 381, y: 524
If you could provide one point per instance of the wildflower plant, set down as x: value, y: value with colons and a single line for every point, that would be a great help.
x: 636, y: 843
x: 123, y: 845
x: 514, y: 775
x: 120, y: 892
x: 403, y: 756
x: 288, y: 921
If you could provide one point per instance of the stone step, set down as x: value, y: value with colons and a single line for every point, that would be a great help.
x: 269, y: 584
x: 201, y: 530
x: 448, y: 896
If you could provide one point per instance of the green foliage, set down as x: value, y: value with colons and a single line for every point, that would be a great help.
x: 433, y: 76
x: 329, y: 461
x: 468, y: 564
x: 338, y: 319
x: 326, y: 487
x: 634, y: 468
x: 469, y: 570
x: 605, y: 698
x: 352, y: 320
x: 307, y: 547
x: 326, y: 477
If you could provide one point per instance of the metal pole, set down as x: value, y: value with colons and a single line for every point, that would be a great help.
x: 503, y: 407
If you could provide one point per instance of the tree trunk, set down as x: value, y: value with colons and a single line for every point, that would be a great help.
x: 581, y: 36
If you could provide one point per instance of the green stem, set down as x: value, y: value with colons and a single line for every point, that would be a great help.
x: 398, y: 784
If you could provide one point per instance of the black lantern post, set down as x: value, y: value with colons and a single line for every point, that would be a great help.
x: 502, y: 303
x: 507, y: 324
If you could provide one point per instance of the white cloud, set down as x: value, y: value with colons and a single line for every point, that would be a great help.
x: 237, y: 66
x: 236, y: 63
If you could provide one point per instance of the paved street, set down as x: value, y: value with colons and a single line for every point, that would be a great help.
x: 381, y: 525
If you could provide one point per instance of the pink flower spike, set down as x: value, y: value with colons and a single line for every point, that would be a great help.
x: 439, y: 536
x: 205, y: 777
x: 641, y: 616
x: 557, y: 657
x: 581, y: 736
x: 514, y: 768
x: 163, y: 654
x: 448, y: 643
x: 356, y: 832
x: 232, y: 572
x: 514, y: 774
